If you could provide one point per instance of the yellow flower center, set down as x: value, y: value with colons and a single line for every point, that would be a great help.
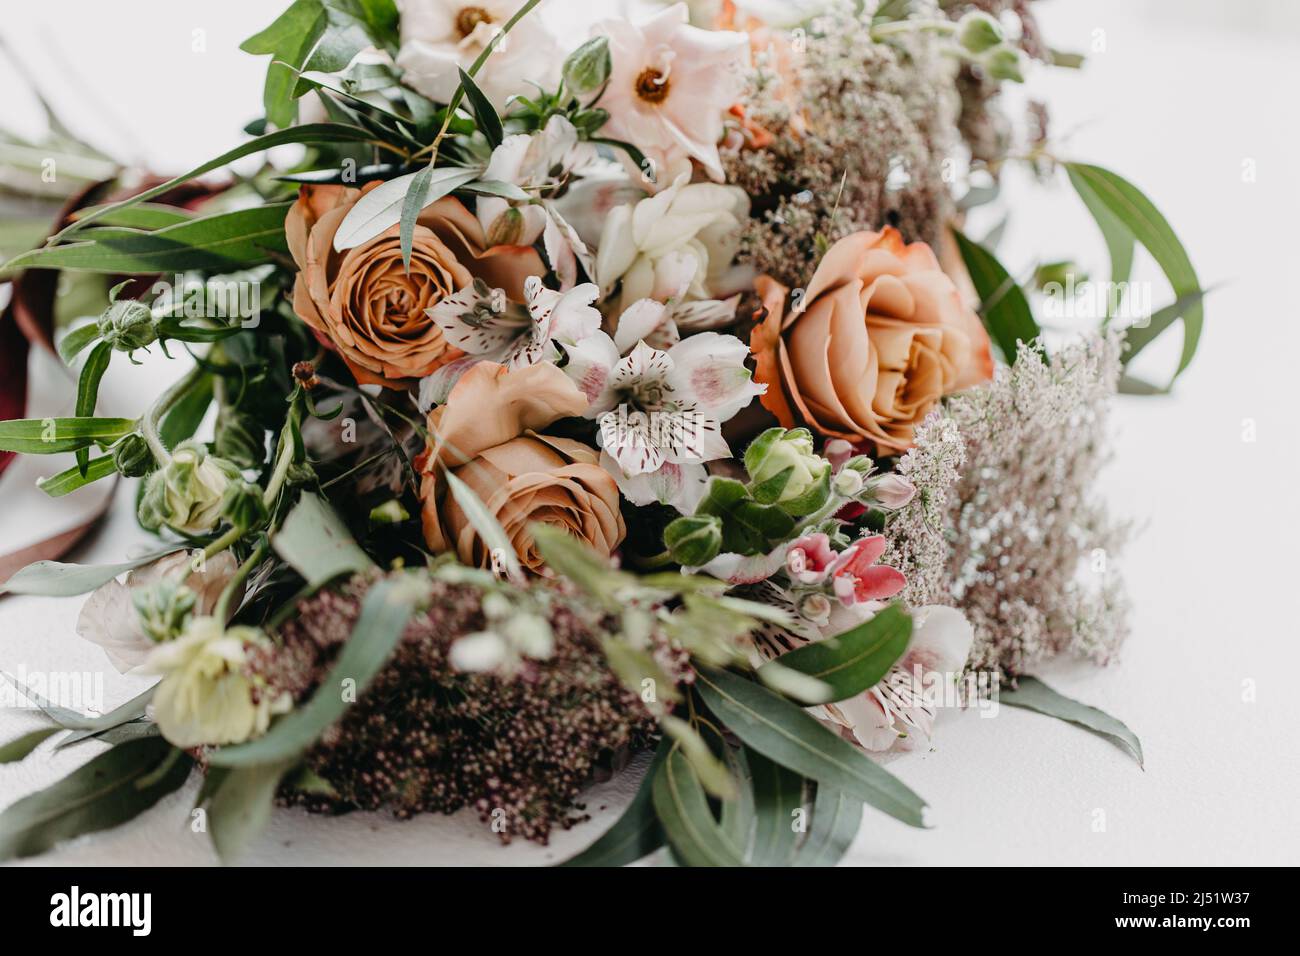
x: 468, y: 18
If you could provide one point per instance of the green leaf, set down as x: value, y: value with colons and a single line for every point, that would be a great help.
x: 224, y: 240
x: 383, y: 207
x: 487, y: 526
x: 836, y: 819
x: 69, y: 481
x: 1138, y: 337
x: 1120, y: 244
x: 484, y: 112
x: 792, y: 737
x: 147, y: 215
x: 113, y: 787
x: 241, y: 806
x: 16, y: 750
x: 289, y: 40
x: 385, y: 612
x: 56, y: 579
x: 637, y: 833
x: 50, y: 436
x: 92, y: 373
x: 184, y: 418
x: 76, y: 340
x: 1003, y: 305
x: 84, y: 727
x: 326, y: 133
x: 747, y: 526
x: 1137, y: 213
x: 778, y: 792
x: 1033, y: 694
x: 315, y: 543
x: 684, y: 813
x: 856, y: 660
x: 497, y: 188
x: 712, y: 772
x: 426, y: 187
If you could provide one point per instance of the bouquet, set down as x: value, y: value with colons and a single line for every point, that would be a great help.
x: 568, y: 401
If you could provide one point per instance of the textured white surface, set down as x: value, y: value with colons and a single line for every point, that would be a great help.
x: 1182, y: 96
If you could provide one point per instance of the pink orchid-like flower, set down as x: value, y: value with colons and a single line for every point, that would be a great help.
x: 670, y: 88
x: 856, y: 578
x: 810, y: 558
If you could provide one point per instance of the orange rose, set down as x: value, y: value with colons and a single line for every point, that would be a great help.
x: 879, y: 335
x: 484, y: 435
x: 365, y: 305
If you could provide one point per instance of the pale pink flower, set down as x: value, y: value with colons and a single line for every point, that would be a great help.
x: 670, y: 88
x: 857, y: 578
x: 810, y: 558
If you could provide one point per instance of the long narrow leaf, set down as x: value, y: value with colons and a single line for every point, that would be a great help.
x: 387, y: 608
x: 637, y: 833
x: 790, y: 736
x: 1003, y: 305
x: 92, y: 373
x: 1033, y: 694
x: 856, y: 660
x: 688, y: 822
x: 836, y: 819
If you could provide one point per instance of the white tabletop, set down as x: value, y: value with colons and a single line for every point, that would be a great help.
x: 1185, y: 96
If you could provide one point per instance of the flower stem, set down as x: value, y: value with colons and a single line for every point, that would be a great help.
x: 153, y: 417
x: 222, y: 611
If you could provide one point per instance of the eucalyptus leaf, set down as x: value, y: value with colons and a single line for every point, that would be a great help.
x: 789, y: 735
x: 384, y: 206
x: 56, y: 579
x: 856, y: 660
x: 387, y: 608
x: 1138, y: 337
x: 314, y: 542
x: 76, y: 340
x: 1032, y: 694
x: 836, y: 819
x: 1120, y: 244
x: 127, y: 713
x: 684, y: 813
x: 19, y: 748
x: 241, y: 806
x: 112, y: 788
x: 778, y: 793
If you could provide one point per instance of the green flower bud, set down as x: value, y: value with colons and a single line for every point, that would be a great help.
x: 163, y: 608
x: 187, y: 494
x: 587, y: 68
x: 127, y: 325
x: 1003, y: 63
x: 694, y: 540
x: 977, y: 31
x: 242, y: 505
x: 390, y: 512
x: 239, y: 439
x: 132, y: 457
x: 784, y: 470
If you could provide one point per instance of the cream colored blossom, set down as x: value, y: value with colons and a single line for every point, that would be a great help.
x: 205, y: 697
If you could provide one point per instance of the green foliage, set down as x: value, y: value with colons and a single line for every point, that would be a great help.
x: 1033, y: 694
x: 1003, y: 305
x: 855, y: 661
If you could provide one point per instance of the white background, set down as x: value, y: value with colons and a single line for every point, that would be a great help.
x: 1183, y: 98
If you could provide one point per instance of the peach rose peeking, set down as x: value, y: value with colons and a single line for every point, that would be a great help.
x: 878, y: 337
x: 485, y: 435
x: 364, y: 304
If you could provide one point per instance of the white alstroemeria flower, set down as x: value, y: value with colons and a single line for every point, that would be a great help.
x: 532, y: 162
x: 661, y: 412
x: 205, y: 697
x: 483, y: 323
x: 674, y: 245
x: 901, y: 709
x: 440, y: 37
x: 670, y: 87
